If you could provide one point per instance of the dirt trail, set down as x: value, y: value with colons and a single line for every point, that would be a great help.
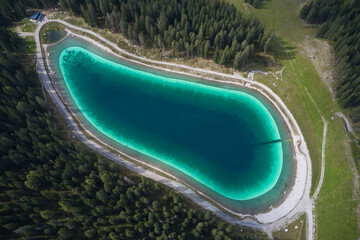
x: 347, y: 124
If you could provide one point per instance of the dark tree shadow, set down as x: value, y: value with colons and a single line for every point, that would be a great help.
x: 285, y: 52
x: 262, y: 5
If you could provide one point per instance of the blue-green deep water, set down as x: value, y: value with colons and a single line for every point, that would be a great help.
x: 225, y: 139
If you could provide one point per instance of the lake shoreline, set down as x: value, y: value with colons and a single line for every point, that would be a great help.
x: 262, y: 217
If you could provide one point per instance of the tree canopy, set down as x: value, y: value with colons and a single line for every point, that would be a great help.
x: 205, y: 28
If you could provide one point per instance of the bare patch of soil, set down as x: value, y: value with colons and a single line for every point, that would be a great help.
x: 322, y: 55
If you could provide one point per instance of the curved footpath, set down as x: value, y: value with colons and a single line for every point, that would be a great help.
x: 296, y: 203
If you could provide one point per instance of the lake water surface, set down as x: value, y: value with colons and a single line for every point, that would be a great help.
x: 225, y: 139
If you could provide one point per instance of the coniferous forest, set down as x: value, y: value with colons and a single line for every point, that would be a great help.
x: 53, y: 187
x: 206, y: 28
x: 340, y: 21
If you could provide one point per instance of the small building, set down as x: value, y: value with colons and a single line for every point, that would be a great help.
x: 37, y: 17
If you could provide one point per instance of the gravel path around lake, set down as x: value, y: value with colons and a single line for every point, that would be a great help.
x: 297, y: 201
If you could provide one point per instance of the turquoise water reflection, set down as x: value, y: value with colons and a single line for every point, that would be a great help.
x: 225, y: 139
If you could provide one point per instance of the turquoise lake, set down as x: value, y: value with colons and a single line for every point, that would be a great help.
x: 226, y: 139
